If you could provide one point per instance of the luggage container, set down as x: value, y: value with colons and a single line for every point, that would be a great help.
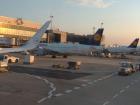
x: 28, y: 59
x: 74, y: 64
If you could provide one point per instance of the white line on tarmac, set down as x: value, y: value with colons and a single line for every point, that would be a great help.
x: 42, y: 100
x: 127, y: 86
x: 106, y: 103
x: 84, y: 80
x: 37, y: 77
x: 68, y: 91
x: 100, y: 79
x: 122, y: 91
x: 50, y: 94
x: 84, y: 85
x: 59, y: 94
x: 76, y: 88
x: 46, y: 81
x: 51, y: 85
x: 90, y: 83
x: 115, y: 96
x: 105, y: 77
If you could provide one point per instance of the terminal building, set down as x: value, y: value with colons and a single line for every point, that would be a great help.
x: 20, y: 30
x: 56, y: 36
x: 16, y: 31
x: 93, y: 39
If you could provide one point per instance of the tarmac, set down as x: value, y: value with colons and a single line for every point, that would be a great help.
x: 96, y: 83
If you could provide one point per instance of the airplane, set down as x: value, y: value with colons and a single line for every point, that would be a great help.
x: 74, y: 48
x: 123, y: 49
x: 30, y: 44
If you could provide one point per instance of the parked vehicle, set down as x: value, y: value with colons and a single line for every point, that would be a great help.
x: 9, y: 59
x: 126, y: 68
x: 137, y: 67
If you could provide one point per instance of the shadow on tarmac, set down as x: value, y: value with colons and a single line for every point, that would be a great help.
x: 59, y: 74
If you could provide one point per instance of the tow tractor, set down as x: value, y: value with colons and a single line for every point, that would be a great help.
x: 126, y: 68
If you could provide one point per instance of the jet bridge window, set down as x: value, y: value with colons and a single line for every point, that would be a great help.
x: 1, y: 57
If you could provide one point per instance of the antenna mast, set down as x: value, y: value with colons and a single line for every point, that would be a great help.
x: 102, y: 25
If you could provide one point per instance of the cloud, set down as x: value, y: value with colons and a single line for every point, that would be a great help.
x: 96, y: 3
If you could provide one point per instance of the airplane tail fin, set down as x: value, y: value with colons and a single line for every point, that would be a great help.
x: 97, y: 38
x: 35, y: 40
x: 134, y: 43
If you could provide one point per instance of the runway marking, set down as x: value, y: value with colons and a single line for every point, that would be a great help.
x: 68, y: 91
x: 53, y: 88
x: 37, y: 77
x: 51, y: 85
x: 127, y: 86
x: 122, y: 91
x: 76, y: 88
x: 109, y: 76
x: 46, y: 81
x: 84, y: 80
x: 42, y: 100
x: 59, y: 94
x: 100, y: 79
x: 104, y: 77
x: 83, y: 85
x: 116, y: 95
x: 106, y: 103
x: 50, y: 93
x: 90, y: 83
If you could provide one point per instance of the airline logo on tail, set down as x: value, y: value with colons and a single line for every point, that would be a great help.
x: 134, y: 43
x: 97, y: 38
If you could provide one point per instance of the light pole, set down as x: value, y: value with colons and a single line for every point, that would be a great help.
x: 51, y: 22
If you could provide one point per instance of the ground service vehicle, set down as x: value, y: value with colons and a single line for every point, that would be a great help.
x: 126, y: 68
x: 9, y: 59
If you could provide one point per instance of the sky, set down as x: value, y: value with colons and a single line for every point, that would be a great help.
x: 121, y: 18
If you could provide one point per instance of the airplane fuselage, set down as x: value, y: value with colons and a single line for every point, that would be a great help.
x: 70, y: 48
x: 122, y: 49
